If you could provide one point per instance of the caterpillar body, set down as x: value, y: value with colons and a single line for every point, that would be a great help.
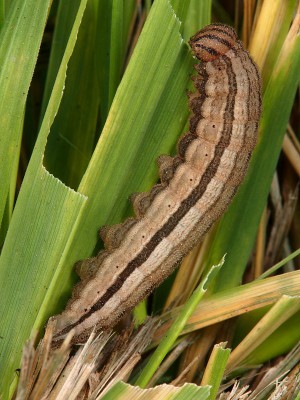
x: 196, y: 187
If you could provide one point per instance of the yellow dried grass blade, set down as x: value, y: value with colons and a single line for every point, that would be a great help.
x: 284, y: 309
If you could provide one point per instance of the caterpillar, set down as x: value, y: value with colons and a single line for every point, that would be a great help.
x: 196, y: 186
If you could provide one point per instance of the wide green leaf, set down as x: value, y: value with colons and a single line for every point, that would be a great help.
x: 122, y: 391
x: 44, y: 217
x: 20, y: 39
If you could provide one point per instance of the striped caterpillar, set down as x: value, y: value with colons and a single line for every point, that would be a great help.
x: 196, y: 187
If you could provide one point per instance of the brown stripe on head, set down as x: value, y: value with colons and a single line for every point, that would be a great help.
x: 213, y: 41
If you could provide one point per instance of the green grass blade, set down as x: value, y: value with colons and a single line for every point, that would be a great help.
x: 116, y: 46
x: 20, y: 40
x: 129, y: 10
x: 198, y: 15
x: 215, y: 368
x: 177, y: 327
x: 45, y: 215
x: 111, y: 44
x: 4, y: 7
x: 28, y: 259
x: 2, y: 13
x: 279, y: 264
x: 71, y: 142
x: 7, y: 213
x: 66, y: 14
x: 181, y: 8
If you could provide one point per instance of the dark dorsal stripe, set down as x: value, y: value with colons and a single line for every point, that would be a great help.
x: 182, y: 210
x: 210, y: 50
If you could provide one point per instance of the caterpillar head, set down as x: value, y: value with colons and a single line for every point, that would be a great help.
x: 213, y: 41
